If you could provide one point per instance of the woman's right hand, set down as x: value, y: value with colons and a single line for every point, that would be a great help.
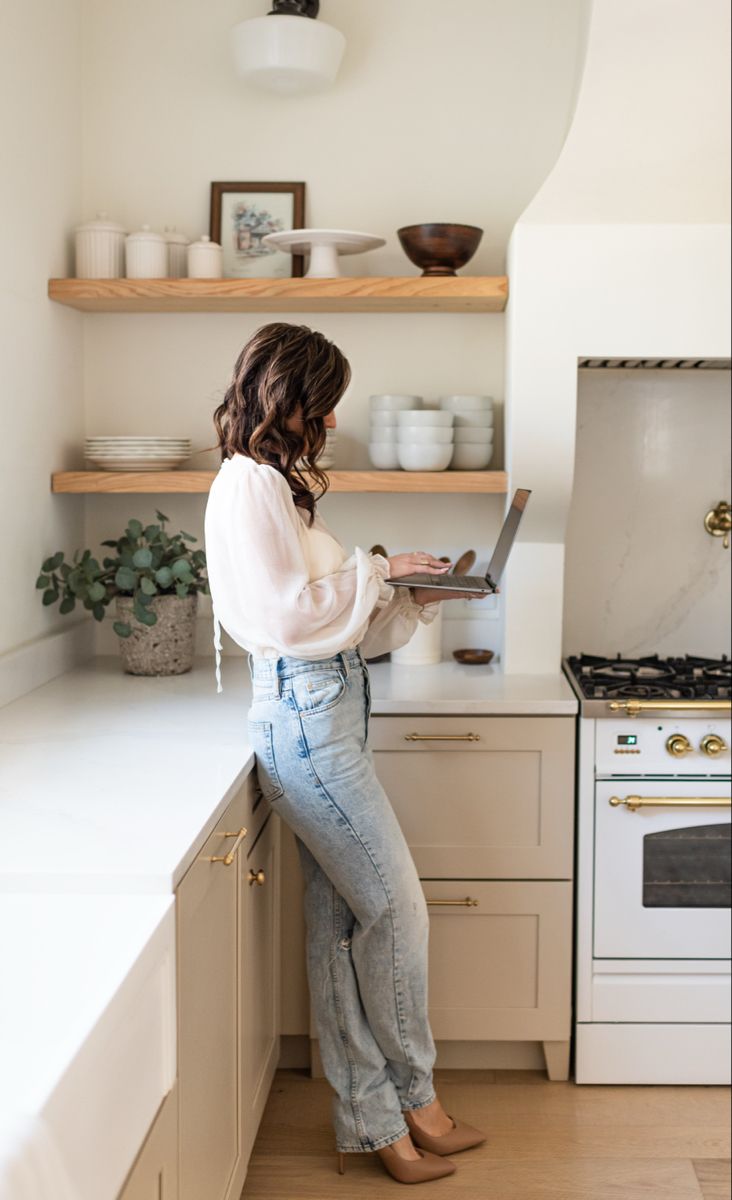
x: 419, y: 562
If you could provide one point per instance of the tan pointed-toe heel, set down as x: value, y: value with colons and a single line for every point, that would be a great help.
x: 460, y: 1137
x: 407, y: 1170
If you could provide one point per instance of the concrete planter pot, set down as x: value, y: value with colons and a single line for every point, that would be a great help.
x: 166, y: 648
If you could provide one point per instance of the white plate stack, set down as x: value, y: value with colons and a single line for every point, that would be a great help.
x: 131, y: 453
x: 473, y: 431
x: 384, y: 430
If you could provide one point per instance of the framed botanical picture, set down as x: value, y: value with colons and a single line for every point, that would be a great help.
x: 241, y: 215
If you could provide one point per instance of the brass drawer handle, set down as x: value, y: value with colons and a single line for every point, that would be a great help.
x: 468, y: 902
x: 257, y: 877
x: 633, y: 803
x: 633, y: 707
x: 442, y: 737
x: 227, y: 859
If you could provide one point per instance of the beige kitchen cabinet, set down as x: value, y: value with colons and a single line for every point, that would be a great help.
x: 487, y: 807
x: 227, y: 1024
x: 497, y: 802
x: 154, y: 1175
x: 260, y: 982
x: 499, y: 968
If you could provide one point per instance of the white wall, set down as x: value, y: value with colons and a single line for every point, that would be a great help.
x: 642, y: 574
x: 41, y: 401
x: 614, y: 257
x: 442, y: 111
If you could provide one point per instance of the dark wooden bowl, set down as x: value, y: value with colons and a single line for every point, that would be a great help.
x: 440, y: 249
x: 475, y: 657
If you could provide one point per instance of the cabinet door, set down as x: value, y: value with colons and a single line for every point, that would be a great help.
x: 500, y: 960
x: 155, y: 1173
x: 208, y: 1028
x: 481, y: 797
x: 260, y: 976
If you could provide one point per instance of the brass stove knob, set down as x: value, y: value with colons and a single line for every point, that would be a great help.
x: 713, y: 745
x: 678, y: 745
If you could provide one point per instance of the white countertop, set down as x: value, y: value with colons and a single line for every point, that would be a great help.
x: 453, y: 688
x: 111, y: 782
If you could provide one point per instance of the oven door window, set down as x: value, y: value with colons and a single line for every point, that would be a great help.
x: 687, y: 868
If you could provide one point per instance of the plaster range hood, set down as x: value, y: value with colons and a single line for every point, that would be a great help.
x: 655, y: 364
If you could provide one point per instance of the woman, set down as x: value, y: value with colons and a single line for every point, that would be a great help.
x: 283, y: 588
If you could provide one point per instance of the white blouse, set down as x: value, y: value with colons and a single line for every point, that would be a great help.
x: 282, y: 587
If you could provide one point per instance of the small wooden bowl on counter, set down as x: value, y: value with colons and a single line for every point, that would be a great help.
x: 473, y: 657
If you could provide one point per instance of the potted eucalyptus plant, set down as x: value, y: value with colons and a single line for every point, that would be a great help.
x: 153, y: 578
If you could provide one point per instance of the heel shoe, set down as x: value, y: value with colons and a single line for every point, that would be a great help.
x: 409, y: 1170
x: 460, y: 1137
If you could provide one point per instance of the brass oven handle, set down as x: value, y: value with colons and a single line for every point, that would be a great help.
x: 227, y: 859
x: 468, y: 902
x: 633, y: 707
x: 441, y: 737
x: 633, y: 803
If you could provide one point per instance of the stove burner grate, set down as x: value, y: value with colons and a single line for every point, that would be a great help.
x: 652, y: 677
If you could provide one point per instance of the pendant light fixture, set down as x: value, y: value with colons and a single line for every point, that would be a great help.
x: 289, y: 50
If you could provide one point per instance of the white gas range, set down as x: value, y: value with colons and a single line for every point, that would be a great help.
x: 653, y: 872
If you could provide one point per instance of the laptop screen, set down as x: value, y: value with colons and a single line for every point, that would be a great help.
x: 507, y: 535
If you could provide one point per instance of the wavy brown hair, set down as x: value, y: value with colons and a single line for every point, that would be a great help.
x: 283, y: 371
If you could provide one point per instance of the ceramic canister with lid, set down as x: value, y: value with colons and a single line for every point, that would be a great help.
x: 146, y: 253
x: 177, y: 244
x: 425, y: 645
x: 100, y: 249
x: 205, y: 259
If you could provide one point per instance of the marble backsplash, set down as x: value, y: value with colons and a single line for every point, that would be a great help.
x: 642, y: 575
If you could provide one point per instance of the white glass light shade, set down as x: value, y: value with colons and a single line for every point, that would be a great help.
x: 288, y: 54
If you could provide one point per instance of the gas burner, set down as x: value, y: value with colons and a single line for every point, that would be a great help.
x: 619, y: 668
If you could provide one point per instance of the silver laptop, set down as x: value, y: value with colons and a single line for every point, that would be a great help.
x: 478, y: 583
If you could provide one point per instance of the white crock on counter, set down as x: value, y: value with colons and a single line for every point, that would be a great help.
x: 109, y: 786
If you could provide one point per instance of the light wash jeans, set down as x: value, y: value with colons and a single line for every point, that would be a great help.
x: 366, y: 915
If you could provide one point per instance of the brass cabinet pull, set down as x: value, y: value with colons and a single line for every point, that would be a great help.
x: 468, y: 902
x: 633, y: 707
x: 441, y: 737
x: 257, y: 877
x: 633, y: 803
x: 227, y: 859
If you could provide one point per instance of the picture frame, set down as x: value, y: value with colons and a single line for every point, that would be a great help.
x: 242, y: 213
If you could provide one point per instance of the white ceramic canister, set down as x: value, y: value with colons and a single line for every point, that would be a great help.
x: 100, y: 249
x: 146, y: 255
x: 205, y: 259
x: 425, y: 645
x: 177, y: 244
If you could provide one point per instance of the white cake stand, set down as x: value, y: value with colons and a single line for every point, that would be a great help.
x: 323, y: 246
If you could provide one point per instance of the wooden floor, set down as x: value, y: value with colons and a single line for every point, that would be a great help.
x: 547, y: 1141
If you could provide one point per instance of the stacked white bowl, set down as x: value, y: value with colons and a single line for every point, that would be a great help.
x: 473, y: 432
x: 137, y: 453
x: 424, y: 441
x: 326, y: 461
x: 383, y: 434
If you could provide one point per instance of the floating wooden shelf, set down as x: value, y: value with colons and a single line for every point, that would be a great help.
x: 459, y: 293
x: 153, y: 482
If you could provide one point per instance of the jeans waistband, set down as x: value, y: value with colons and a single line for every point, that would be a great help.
x: 263, y: 669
